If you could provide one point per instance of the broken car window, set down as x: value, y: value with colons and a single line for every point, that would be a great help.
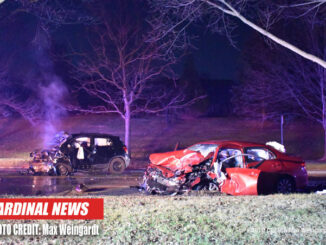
x: 258, y: 154
x: 231, y: 158
x: 102, y: 142
x: 83, y: 140
x: 204, y: 149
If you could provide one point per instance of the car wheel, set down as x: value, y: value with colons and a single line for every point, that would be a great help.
x: 285, y: 185
x: 30, y: 171
x: 212, y: 187
x: 51, y: 172
x: 207, y: 186
x: 199, y: 187
x: 117, y: 165
x: 62, y: 170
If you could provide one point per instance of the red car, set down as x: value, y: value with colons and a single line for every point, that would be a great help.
x: 232, y: 167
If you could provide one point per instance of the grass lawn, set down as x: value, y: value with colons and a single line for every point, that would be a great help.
x: 316, y: 166
x: 202, y: 219
x: 154, y: 134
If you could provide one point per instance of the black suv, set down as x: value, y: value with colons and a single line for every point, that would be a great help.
x: 68, y: 153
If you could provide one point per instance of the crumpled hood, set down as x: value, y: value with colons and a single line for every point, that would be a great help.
x: 44, y: 155
x: 177, y: 160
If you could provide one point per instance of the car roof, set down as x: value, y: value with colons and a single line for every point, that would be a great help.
x: 234, y: 142
x: 94, y: 135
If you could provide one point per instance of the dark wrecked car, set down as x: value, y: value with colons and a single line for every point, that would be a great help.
x: 68, y: 153
x: 231, y: 167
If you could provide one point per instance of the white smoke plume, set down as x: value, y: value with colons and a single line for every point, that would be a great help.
x: 51, y: 89
x: 53, y: 95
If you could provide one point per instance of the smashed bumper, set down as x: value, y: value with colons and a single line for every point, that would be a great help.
x: 41, y: 168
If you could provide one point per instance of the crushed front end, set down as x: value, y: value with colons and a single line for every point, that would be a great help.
x: 168, y: 180
x: 156, y: 182
x: 45, y: 161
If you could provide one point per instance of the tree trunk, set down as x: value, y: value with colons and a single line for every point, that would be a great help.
x: 127, y: 127
x: 324, y: 155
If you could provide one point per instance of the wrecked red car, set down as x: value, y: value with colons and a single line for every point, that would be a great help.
x: 231, y: 167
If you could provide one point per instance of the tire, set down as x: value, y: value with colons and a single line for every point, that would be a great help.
x: 212, y: 187
x: 206, y: 186
x: 51, y: 172
x: 62, y: 170
x: 285, y: 185
x: 117, y: 165
x: 31, y: 171
x: 199, y: 187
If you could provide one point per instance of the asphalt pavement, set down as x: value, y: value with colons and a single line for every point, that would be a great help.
x: 13, y: 182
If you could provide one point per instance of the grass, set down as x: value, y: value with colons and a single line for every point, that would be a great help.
x: 154, y: 134
x: 315, y: 166
x: 203, y: 219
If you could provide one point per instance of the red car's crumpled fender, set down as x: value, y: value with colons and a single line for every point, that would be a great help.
x: 241, y: 181
x: 177, y: 160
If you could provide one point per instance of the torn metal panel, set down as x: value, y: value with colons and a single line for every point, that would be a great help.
x: 177, y: 160
x: 240, y: 181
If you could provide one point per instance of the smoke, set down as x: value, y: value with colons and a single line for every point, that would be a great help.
x: 51, y: 90
x: 53, y: 97
x: 33, y: 88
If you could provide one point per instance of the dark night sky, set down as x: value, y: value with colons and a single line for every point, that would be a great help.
x: 215, y: 57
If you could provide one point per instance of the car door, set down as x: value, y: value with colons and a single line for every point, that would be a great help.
x: 103, y: 147
x: 263, y: 159
x: 80, y: 151
x: 239, y: 180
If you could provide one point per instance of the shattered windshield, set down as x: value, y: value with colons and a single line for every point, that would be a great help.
x: 204, y: 149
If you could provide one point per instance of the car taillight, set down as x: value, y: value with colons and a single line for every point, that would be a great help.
x: 125, y: 149
x: 303, y: 164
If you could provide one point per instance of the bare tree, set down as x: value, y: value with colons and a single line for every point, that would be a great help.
x: 124, y: 65
x: 14, y: 100
x: 37, y: 93
x: 50, y: 13
x: 216, y: 12
x: 255, y: 95
x: 286, y: 83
